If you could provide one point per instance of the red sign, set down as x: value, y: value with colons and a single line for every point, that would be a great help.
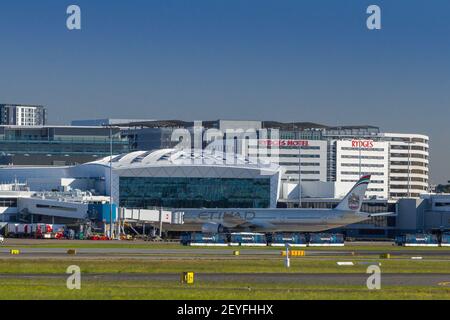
x: 368, y: 144
x: 284, y: 143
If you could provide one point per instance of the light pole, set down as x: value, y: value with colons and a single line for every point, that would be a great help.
x: 409, y: 168
x: 300, y: 175
x: 110, y: 182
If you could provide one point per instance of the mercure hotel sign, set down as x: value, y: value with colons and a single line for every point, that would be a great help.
x: 284, y: 143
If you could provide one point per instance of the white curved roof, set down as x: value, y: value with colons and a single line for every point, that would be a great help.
x: 175, y: 157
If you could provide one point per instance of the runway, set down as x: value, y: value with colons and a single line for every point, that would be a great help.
x: 104, y: 253
x: 266, y: 278
x: 144, y: 251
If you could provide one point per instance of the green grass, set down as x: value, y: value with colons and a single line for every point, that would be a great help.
x: 133, y: 290
x: 55, y: 288
x: 231, y: 265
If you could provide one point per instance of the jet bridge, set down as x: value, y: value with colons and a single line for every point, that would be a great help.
x: 152, y: 216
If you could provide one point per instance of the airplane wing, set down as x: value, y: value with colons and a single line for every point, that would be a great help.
x: 383, y: 214
x: 261, y: 225
x: 233, y: 220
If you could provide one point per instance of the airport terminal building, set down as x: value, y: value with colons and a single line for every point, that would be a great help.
x: 266, y: 165
x: 165, y: 178
x: 172, y: 179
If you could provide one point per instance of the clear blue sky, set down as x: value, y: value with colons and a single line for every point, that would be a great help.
x: 281, y: 60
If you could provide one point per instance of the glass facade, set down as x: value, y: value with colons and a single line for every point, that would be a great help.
x: 301, y: 135
x: 62, y: 145
x: 72, y: 147
x: 194, y: 192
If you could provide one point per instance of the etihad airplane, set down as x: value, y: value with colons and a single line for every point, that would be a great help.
x: 278, y: 220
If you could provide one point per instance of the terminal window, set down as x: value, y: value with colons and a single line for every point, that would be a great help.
x: 142, y: 192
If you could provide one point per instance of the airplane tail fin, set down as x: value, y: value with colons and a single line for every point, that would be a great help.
x: 354, y: 199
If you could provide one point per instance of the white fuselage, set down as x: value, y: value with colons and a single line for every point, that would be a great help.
x: 267, y: 220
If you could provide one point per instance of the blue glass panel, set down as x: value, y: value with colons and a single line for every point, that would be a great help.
x: 194, y: 192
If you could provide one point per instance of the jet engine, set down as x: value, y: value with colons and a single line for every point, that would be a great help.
x: 212, y: 227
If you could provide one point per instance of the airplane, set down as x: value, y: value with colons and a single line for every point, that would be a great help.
x: 278, y: 220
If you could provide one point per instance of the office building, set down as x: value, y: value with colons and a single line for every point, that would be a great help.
x: 22, y: 115
x: 57, y: 145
